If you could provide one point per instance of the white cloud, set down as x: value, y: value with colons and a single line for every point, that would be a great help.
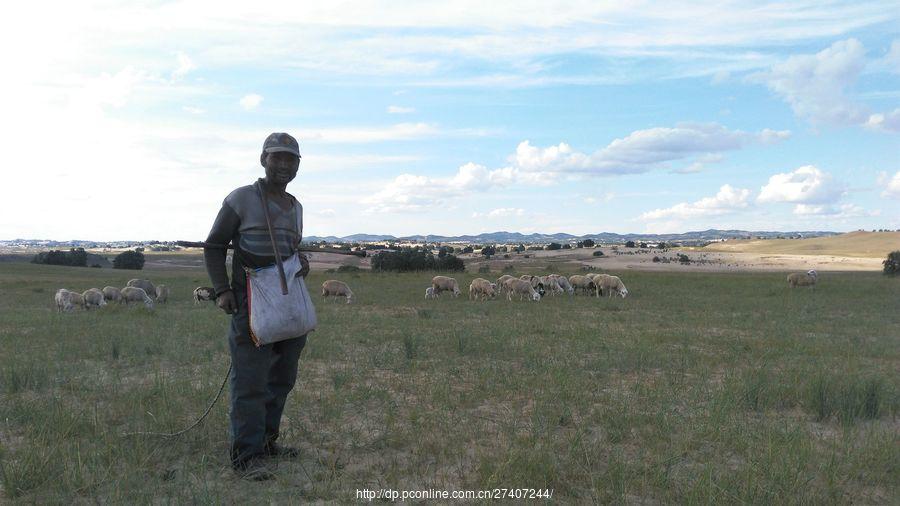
x: 503, y: 212
x: 891, y: 60
x: 805, y: 185
x: 251, y: 101
x: 396, y: 109
x: 891, y: 185
x: 396, y: 132
x: 815, y: 85
x: 410, y: 192
x: 185, y: 65
x: 193, y: 110
x: 888, y: 121
x: 727, y: 200
x: 843, y: 211
x: 642, y: 150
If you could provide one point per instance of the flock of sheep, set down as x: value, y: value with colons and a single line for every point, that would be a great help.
x: 525, y: 287
x: 136, y: 290
x: 528, y: 287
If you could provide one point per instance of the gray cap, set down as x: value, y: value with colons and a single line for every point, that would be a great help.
x: 280, y: 142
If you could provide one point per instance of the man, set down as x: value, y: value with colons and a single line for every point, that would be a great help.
x: 261, y: 377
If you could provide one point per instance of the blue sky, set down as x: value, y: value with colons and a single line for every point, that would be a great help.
x: 454, y: 117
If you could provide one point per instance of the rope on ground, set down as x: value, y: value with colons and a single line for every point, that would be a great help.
x: 176, y: 434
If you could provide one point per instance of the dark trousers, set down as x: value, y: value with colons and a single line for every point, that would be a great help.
x: 261, y: 379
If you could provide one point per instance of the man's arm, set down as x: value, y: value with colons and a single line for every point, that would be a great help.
x: 223, y: 230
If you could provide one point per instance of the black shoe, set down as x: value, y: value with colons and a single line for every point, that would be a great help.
x: 253, y: 469
x: 286, y: 452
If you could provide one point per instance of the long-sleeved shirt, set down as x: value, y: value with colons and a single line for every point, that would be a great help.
x: 241, y: 221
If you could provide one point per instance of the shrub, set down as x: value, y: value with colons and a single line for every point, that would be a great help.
x: 598, y: 253
x: 133, y: 260
x: 553, y: 246
x: 467, y: 249
x: 684, y: 258
x: 892, y: 263
x: 588, y: 243
x: 567, y: 246
x: 656, y: 259
x: 629, y: 244
x: 489, y: 251
x: 348, y: 268
x: 415, y: 259
x: 75, y: 257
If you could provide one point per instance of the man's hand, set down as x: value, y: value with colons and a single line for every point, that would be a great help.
x: 304, y: 265
x: 225, y: 301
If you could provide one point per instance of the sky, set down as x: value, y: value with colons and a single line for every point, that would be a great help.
x: 134, y: 120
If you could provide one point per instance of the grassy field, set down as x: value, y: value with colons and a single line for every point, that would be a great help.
x: 698, y: 388
x: 853, y: 244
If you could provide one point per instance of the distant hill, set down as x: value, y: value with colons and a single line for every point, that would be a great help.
x: 852, y: 244
x: 603, y: 237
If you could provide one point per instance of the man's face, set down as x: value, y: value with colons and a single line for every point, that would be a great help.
x: 281, y: 168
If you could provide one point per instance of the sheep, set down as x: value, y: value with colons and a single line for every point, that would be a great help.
x: 204, y: 293
x: 563, y: 283
x: 143, y: 284
x: 162, y: 294
x: 135, y: 294
x: 522, y: 288
x: 807, y: 278
x: 552, y: 285
x: 535, y: 282
x: 66, y: 300
x: 481, y: 287
x: 429, y: 293
x: 93, y: 297
x: 609, y: 284
x: 445, y: 284
x: 501, y: 281
x: 585, y: 284
x: 336, y: 288
x: 112, y: 294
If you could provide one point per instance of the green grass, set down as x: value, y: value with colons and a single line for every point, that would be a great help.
x: 697, y: 388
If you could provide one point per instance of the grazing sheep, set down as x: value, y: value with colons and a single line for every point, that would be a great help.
x: 335, y: 288
x: 135, y: 294
x: 583, y: 283
x: 429, y: 293
x: 563, y: 283
x: 807, y: 278
x: 481, y: 287
x: 501, y: 281
x: 162, y: 294
x: 93, y: 297
x: 445, y: 284
x: 535, y: 282
x: 609, y: 285
x: 112, y: 294
x: 204, y: 293
x: 522, y: 288
x: 66, y: 300
x: 143, y: 284
x: 552, y: 285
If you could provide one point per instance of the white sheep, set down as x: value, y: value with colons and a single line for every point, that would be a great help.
x: 501, y: 281
x: 135, y: 294
x: 93, y: 297
x: 143, y: 284
x: 429, y: 293
x: 335, y: 288
x: 445, y: 284
x: 583, y: 283
x: 563, y: 283
x: 162, y: 294
x: 112, y: 294
x: 67, y: 300
x: 482, y: 288
x: 609, y: 285
x: 522, y: 288
x: 807, y: 278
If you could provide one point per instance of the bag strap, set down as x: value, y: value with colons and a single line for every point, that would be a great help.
x: 265, y: 203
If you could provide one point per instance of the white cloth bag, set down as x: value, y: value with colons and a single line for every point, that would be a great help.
x: 273, y: 316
